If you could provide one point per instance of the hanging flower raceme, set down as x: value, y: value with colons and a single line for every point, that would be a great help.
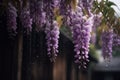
x: 107, y: 44
x: 97, y: 21
x: 25, y: 19
x: 87, y: 5
x: 52, y: 31
x: 11, y: 19
x: 63, y: 7
x: 81, y: 29
x: 65, y: 10
x: 38, y: 14
x: 116, y: 40
x: 52, y: 36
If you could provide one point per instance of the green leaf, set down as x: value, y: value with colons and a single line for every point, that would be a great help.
x: 59, y: 20
x: 109, y: 4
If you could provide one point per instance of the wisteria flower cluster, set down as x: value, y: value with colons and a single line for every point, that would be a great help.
x: 116, y: 40
x: 81, y: 20
x: 52, y: 36
x: 11, y: 19
x: 26, y: 20
x: 107, y: 44
x: 97, y: 21
x: 81, y: 30
x: 38, y: 14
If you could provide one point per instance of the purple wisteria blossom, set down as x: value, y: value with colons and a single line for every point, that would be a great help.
x: 52, y: 36
x: 81, y: 31
x: 11, y: 19
x: 97, y: 21
x: 87, y: 5
x: 116, y: 40
x: 107, y: 44
x: 38, y: 14
x: 25, y: 19
x: 51, y: 31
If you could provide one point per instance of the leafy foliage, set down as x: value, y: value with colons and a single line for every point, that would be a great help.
x: 109, y: 18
